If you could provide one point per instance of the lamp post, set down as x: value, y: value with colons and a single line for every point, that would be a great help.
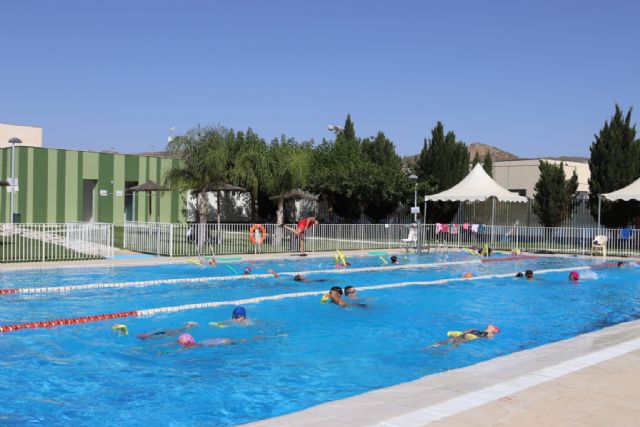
x: 414, y: 178
x: 13, y: 142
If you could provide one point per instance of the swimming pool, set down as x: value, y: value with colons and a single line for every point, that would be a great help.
x: 310, y: 353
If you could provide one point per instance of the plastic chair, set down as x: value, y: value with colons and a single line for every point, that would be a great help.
x: 412, y: 238
x: 599, y: 244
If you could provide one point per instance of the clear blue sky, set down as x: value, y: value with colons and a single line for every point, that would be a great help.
x: 532, y: 77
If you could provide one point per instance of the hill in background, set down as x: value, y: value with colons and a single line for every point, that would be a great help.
x: 476, y: 147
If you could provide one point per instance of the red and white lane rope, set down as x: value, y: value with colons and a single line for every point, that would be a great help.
x: 144, y: 283
x: 256, y: 300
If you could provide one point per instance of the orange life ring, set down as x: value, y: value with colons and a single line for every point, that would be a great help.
x: 252, y: 236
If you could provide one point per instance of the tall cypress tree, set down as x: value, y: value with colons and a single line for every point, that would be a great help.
x: 488, y: 164
x: 443, y: 162
x: 614, y: 164
x: 476, y: 160
x: 555, y: 196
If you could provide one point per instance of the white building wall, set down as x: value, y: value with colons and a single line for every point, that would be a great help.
x: 31, y: 136
x: 524, y: 174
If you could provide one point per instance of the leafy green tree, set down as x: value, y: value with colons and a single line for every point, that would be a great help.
x: 386, y: 184
x: 287, y: 168
x: 443, y: 162
x: 476, y: 160
x: 555, y: 196
x: 487, y: 165
x: 340, y: 169
x: 614, y: 164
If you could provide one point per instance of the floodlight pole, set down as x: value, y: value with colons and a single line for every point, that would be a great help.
x: 13, y: 142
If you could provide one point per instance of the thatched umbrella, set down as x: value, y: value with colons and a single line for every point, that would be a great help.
x: 148, y: 187
x: 219, y: 187
x: 296, y: 194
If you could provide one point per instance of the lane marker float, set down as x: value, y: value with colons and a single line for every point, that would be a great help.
x: 256, y: 300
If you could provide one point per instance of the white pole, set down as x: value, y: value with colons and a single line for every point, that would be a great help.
x: 415, y: 201
x: 13, y: 179
x: 493, y: 213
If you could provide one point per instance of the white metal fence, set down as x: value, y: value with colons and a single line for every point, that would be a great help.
x: 182, y: 239
x: 55, y: 242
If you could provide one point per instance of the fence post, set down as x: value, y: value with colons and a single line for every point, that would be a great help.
x: 171, y: 240
x: 44, y: 242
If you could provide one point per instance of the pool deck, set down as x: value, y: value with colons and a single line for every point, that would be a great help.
x: 589, y: 380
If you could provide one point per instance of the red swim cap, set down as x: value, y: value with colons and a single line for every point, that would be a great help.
x: 574, y: 275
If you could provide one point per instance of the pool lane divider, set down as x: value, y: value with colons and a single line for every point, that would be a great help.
x: 144, y: 283
x: 257, y: 300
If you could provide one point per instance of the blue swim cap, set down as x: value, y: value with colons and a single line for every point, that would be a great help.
x: 238, y: 312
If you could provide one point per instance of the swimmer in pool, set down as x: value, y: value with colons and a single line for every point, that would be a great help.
x: 166, y: 333
x: 458, y: 337
x: 574, y: 276
x: 239, y: 315
x: 187, y: 341
x: 275, y: 274
x: 620, y: 264
x: 301, y: 278
x: 352, y: 297
x: 394, y: 260
x: 334, y: 296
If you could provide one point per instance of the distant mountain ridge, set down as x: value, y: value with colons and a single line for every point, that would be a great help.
x: 476, y: 147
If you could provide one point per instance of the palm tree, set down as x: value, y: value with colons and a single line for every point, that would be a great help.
x: 249, y: 164
x: 287, y: 168
x: 204, y: 156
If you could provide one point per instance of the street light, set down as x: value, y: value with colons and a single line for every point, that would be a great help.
x: 13, y: 142
x: 335, y: 129
x: 414, y: 178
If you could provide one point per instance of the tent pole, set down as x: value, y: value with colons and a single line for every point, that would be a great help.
x: 599, y: 206
x: 493, y: 214
x: 424, y: 215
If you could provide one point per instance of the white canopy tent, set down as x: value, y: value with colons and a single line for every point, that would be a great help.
x: 630, y: 192
x: 477, y: 186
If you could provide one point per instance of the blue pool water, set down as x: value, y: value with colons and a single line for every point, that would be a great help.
x: 311, y: 352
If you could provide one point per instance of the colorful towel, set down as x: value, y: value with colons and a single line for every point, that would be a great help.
x: 474, y: 228
x: 453, y: 228
x: 626, y: 233
x: 465, y: 226
x: 442, y: 228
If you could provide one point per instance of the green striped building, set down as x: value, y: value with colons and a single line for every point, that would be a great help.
x: 57, y: 185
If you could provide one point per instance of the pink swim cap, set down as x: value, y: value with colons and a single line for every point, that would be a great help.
x: 574, y: 275
x: 186, y: 339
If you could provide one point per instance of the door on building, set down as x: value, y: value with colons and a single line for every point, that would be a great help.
x: 129, y: 201
x: 89, y: 198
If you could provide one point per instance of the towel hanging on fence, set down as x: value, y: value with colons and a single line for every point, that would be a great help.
x: 465, y: 226
x: 453, y: 229
x: 626, y: 233
x: 442, y: 228
x: 474, y: 228
x: 481, y: 228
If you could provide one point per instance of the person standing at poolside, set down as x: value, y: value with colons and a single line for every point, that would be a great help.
x: 303, y: 225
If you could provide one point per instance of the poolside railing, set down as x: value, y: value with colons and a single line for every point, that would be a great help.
x: 55, y: 242
x: 209, y: 239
